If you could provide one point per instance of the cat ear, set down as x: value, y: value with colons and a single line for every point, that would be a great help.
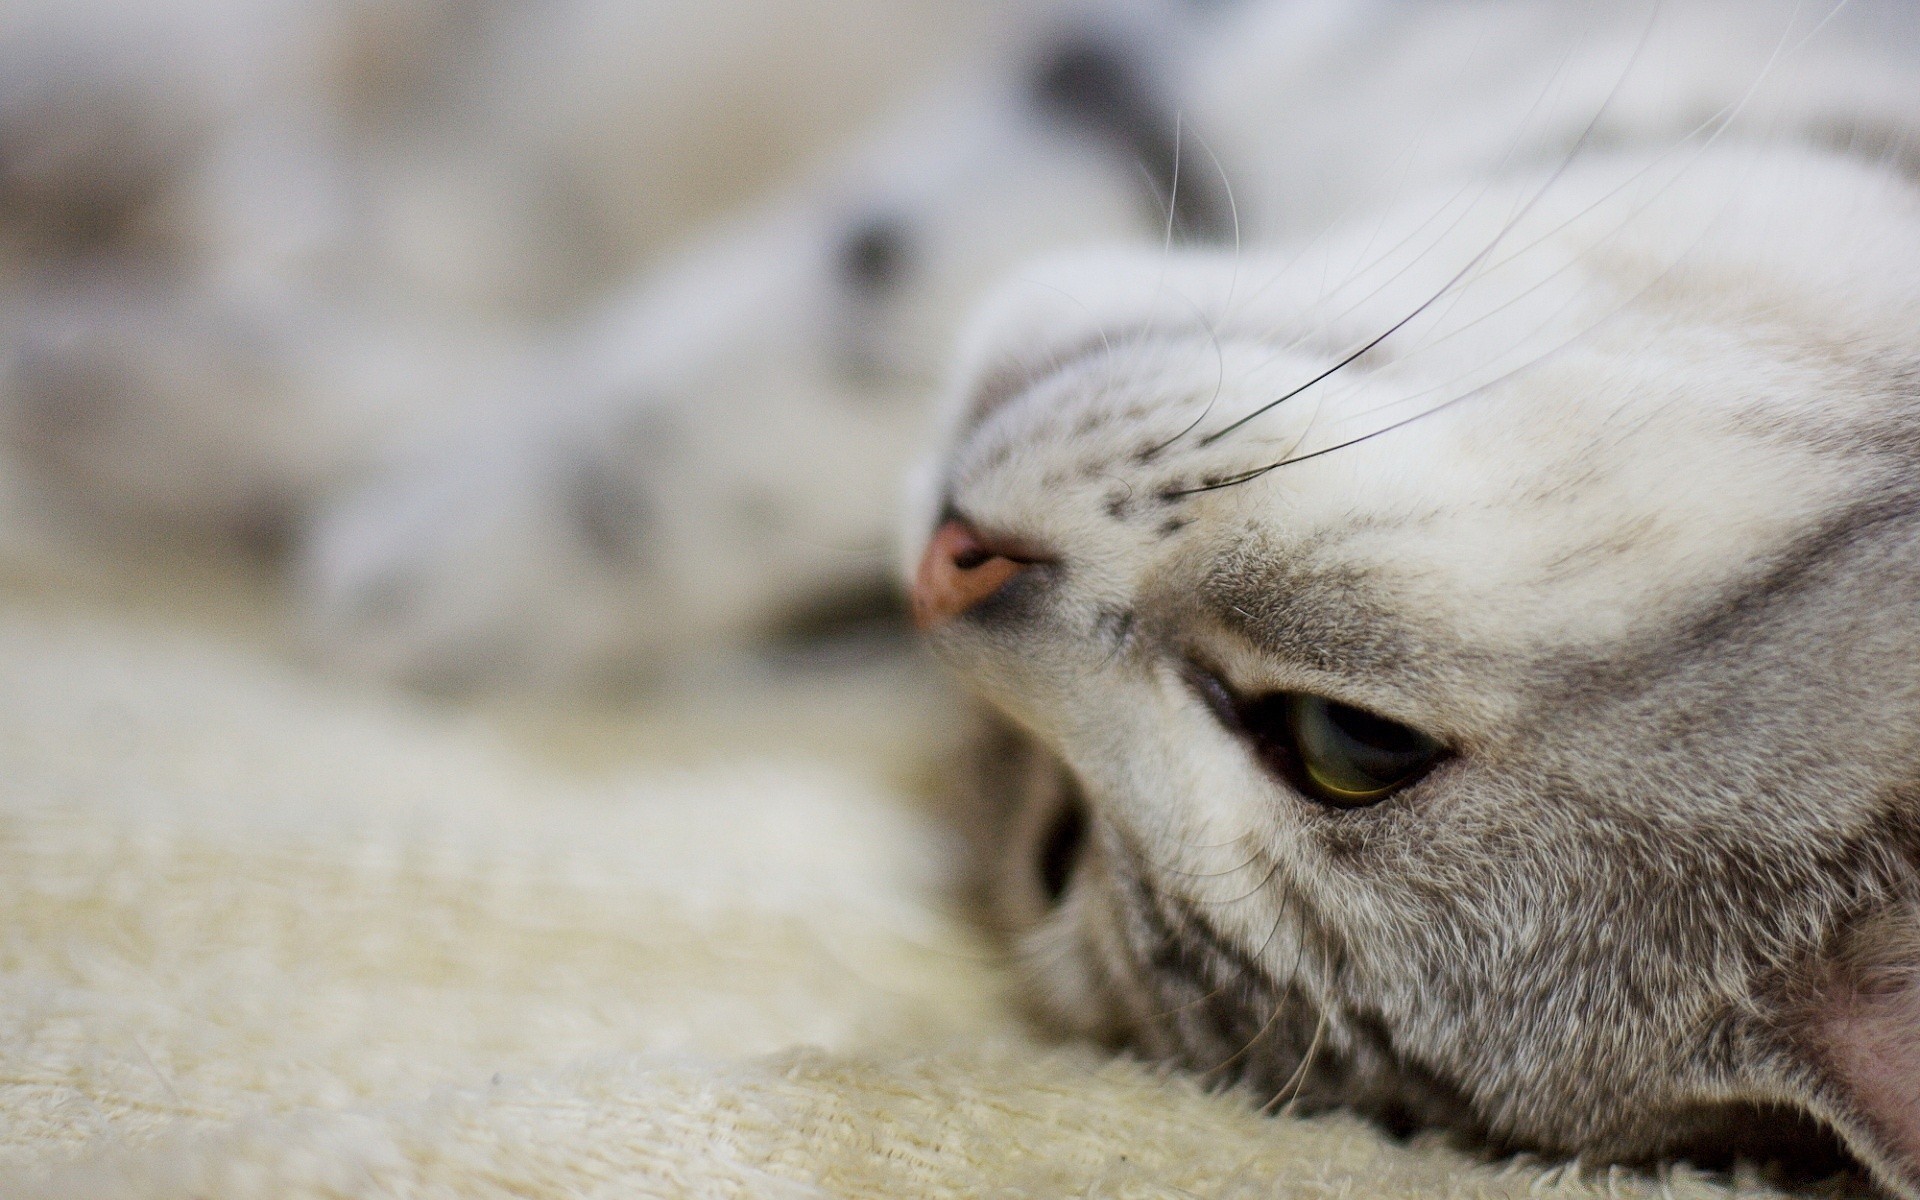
x: 1856, y: 1036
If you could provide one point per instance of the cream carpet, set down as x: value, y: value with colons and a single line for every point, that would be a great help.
x: 266, y: 935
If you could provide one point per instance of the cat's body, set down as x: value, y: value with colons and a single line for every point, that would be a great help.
x: 721, y: 444
x: 251, y: 249
x: 1475, y: 647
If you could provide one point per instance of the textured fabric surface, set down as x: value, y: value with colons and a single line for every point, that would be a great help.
x: 266, y: 936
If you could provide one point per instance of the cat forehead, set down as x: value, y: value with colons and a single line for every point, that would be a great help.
x: 1561, y: 454
x: 1569, y: 505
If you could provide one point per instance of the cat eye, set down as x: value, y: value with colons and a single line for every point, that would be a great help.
x: 1342, y: 756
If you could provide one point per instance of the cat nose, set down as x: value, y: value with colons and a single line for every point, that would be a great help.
x: 961, y: 571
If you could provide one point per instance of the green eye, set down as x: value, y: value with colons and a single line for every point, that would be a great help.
x: 1351, y: 758
x: 1341, y: 756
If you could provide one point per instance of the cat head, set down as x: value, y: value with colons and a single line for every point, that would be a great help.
x: 1475, y: 653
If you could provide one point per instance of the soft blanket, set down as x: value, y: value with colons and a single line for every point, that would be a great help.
x: 267, y: 935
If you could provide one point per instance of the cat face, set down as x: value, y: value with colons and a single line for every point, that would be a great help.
x: 1476, y: 652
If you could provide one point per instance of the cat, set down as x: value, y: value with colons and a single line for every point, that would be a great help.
x: 1457, y: 663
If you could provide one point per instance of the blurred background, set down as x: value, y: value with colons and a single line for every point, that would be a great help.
x: 495, y: 158
x: 254, y: 252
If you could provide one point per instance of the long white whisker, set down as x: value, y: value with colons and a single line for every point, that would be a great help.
x: 1565, y: 164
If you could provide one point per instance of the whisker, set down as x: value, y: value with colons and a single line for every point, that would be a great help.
x: 1166, y: 869
x: 1358, y: 200
x: 1718, y: 123
x: 1290, y: 459
x: 1273, y: 931
x: 1173, y: 191
x: 1298, y: 1081
x: 1485, y: 184
x: 1169, y: 869
x: 1713, y: 126
x: 1273, y: 1018
x: 1245, y: 896
x: 1233, y: 212
x: 1219, y: 385
x: 1565, y: 164
x: 1233, y: 283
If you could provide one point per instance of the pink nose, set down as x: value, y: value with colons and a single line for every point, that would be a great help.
x: 958, y: 573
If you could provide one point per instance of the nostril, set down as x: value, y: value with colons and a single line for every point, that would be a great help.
x: 962, y: 570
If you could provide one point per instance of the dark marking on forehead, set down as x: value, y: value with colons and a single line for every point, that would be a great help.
x: 1327, y: 618
x: 1097, y: 84
x: 1871, y: 539
x: 1851, y: 529
x: 1144, y: 456
x: 1179, y: 489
